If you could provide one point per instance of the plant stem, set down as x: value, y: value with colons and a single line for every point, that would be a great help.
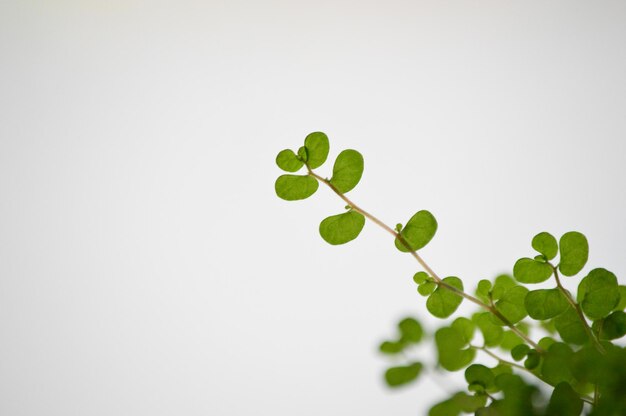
x: 422, y: 263
x: 578, y: 310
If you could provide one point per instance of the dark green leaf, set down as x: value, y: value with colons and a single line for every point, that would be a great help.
x: 531, y: 271
x: 342, y: 228
x: 418, y: 231
x: 391, y: 347
x: 622, y: 299
x: 545, y: 303
x: 468, y: 403
x: 479, y: 374
x: 598, y: 293
x: 443, y: 302
x: 398, y: 376
x: 295, y: 187
x: 546, y: 244
x: 532, y: 359
x: 574, y: 253
x: 564, y: 401
x: 520, y: 351
x: 288, y: 161
x: 556, y: 360
x: 546, y: 342
x: 492, y: 333
x: 450, y: 347
x: 613, y: 326
x: 410, y: 330
x: 317, y: 147
x: 570, y: 327
x: 511, y: 304
x: 347, y: 170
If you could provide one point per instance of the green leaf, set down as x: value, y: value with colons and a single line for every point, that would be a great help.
x: 482, y: 290
x: 481, y: 375
x: 418, y: 231
x: 303, y: 153
x: 450, y: 347
x: 317, y: 146
x: 391, y: 347
x: 545, y: 303
x: 546, y: 244
x: 342, y: 228
x: 502, y: 283
x: 468, y: 403
x: 531, y: 271
x: 598, y: 293
x: 574, y: 253
x: 492, y: 333
x: 556, y: 360
x: 613, y: 326
x: 295, y: 187
x: 532, y: 359
x: 622, y: 298
x: 510, y: 340
x: 347, y: 170
x: 410, y: 330
x: 520, y: 351
x: 546, y: 342
x: 511, y: 305
x: 465, y: 327
x: 420, y: 277
x: 398, y: 376
x: 443, y: 302
x: 426, y: 288
x: 564, y: 401
x: 570, y: 327
x: 446, y: 408
x: 288, y: 161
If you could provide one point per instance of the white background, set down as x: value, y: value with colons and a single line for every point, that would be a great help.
x: 146, y: 266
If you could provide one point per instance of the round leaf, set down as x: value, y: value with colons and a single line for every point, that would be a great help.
x: 613, y: 326
x: 520, y: 351
x: 545, y: 303
x: 564, y: 401
x: 531, y: 271
x: 443, y: 302
x: 418, y: 231
x: 546, y: 244
x: 450, y: 347
x: 598, y: 293
x: 317, y: 146
x: 420, y: 277
x: 465, y: 327
x: 492, y: 333
x: 347, y: 170
x: 288, y: 161
x: 426, y: 288
x: 570, y: 327
x: 511, y: 304
x: 410, y: 330
x: 479, y: 374
x: 295, y: 187
x: 342, y: 228
x: 574, y: 253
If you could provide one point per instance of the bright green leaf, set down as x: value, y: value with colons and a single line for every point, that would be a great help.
x: 317, y: 146
x: 492, y: 333
x: 398, y: 376
x: 598, y: 293
x: 546, y: 342
x: 445, y: 408
x: 426, y: 288
x: 509, y: 340
x: 450, y: 347
x: 295, y: 187
x: 288, y: 161
x: 342, y: 228
x: 410, y: 330
x: 391, y: 347
x: 511, y: 304
x: 418, y: 231
x: 303, y: 153
x: 570, y: 327
x: 574, y: 253
x: 528, y: 270
x: 546, y: 244
x: 420, y: 277
x: 545, y: 303
x: 443, y: 302
x: 482, y: 290
x: 347, y: 170
x: 465, y: 327
x: 502, y: 283
x: 564, y: 401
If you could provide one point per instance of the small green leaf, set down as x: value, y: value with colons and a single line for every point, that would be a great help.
x: 303, y: 153
x: 564, y: 401
x: 468, y: 403
x: 531, y: 271
x: 465, y: 327
x: 574, y: 253
x: 555, y: 368
x: 317, y: 146
x: 613, y: 326
x: 295, y: 187
x: 443, y: 302
x: 546, y: 342
x: 342, y: 228
x: 502, y: 283
x: 511, y: 304
x: 398, y: 376
x: 445, y: 408
x: 347, y: 170
x: 520, y: 351
x: 510, y: 340
x: 391, y: 347
x: 532, y: 359
x: 545, y: 303
x: 288, y: 161
x: 426, y: 288
x: 410, y: 330
x: 570, y: 327
x: 482, y: 290
x: 420, y: 277
x: 479, y: 374
x: 418, y: 231
x: 622, y: 298
x: 598, y: 293
x: 492, y: 333
x: 450, y: 347
x: 546, y: 244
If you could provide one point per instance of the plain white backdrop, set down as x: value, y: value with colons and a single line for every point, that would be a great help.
x: 146, y: 266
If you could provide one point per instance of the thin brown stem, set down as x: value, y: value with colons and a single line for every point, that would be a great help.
x: 439, y: 281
